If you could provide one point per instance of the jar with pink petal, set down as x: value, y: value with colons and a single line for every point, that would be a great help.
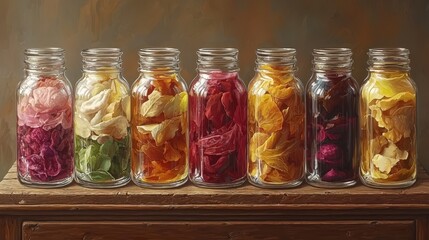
x: 44, y: 121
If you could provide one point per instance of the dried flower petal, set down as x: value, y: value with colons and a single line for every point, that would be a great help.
x: 154, y: 105
x: 268, y: 115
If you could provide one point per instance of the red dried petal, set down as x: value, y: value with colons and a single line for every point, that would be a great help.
x: 214, y: 110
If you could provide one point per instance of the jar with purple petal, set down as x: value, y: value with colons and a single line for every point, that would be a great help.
x: 44, y: 121
x: 331, y: 120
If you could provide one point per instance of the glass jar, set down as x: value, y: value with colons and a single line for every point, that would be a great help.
x: 159, y: 121
x: 276, y: 121
x: 331, y: 120
x: 44, y: 121
x: 218, y: 121
x: 388, y: 121
x: 101, y: 117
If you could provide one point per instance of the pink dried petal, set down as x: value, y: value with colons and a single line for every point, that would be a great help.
x: 334, y: 175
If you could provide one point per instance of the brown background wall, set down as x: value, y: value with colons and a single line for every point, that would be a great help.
x: 191, y: 24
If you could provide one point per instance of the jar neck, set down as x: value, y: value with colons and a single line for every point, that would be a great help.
x: 217, y: 60
x: 276, y: 61
x: 389, y: 60
x: 159, y: 61
x: 44, y: 61
x: 331, y: 76
x: 332, y: 61
x: 102, y: 60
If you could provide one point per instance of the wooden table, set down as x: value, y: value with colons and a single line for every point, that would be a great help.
x: 193, y: 213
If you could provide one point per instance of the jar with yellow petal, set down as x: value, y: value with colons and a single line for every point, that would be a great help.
x: 388, y: 121
x: 276, y: 121
x: 101, y: 121
x: 159, y: 121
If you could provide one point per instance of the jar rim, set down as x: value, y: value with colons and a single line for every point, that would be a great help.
x: 275, y: 51
x: 44, y: 51
x: 217, y: 51
x: 388, y: 51
x: 332, y: 51
x: 158, y: 51
x: 159, y: 59
x: 101, y: 52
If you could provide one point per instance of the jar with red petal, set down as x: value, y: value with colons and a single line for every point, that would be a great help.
x: 44, y: 121
x: 331, y: 120
x: 218, y: 120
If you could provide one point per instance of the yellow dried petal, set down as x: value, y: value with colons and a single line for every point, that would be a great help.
x: 176, y: 105
x: 154, y: 105
x: 392, y: 151
x: 281, y: 92
x: 257, y: 140
x: 377, y: 144
x: 268, y: 115
x: 384, y: 164
x: 164, y: 131
x: 386, y: 104
x: 126, y: 106
x: 402, y: 121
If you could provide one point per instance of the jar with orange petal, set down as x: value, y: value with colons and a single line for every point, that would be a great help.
x: 276, y: 121
x: 159, y: 121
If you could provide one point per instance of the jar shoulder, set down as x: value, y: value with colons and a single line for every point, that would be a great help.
x: 169, y: 84
x: 89, y: 85
x: 31, y: 82
x: 203, y: 84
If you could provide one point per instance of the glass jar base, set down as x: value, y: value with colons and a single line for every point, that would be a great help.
x: 315, y: 181
x: 391, y: 185
x: 113, y: 184
x: 218, y: 185
x: 261, y: 184
x: 56, y: 184
x: 159, y: 185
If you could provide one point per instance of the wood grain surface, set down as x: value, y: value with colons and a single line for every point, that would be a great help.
x: 296, y: 230
x: 13, y: 195
x: 189, y: 212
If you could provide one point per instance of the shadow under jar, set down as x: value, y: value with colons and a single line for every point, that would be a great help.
x: 101, y: 117
x: 218, y: 120
x: 388, y: 121
x: 159, y: 121
x: 276, y: 121
x: 331, y: 120
x: 44, y: 121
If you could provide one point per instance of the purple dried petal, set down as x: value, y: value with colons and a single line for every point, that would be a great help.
x: 334, y: 175
x: 336, y: 132
x: 53, y: 166
x: 321, y: 135
x: 329, y: 151
x: 36, y: 163
x: 40, y: 136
